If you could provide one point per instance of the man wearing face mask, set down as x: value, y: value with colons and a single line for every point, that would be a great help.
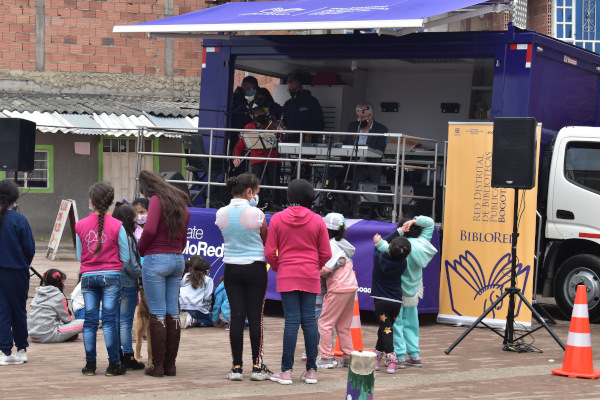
x: 239, y: 114
x: 366, y: 124
x: 302, y: 112
x: 262, y: 120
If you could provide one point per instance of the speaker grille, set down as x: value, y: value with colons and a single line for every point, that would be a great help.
x: 514, y: 153
x: 17, y: 144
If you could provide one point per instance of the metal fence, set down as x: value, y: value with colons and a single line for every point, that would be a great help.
x: 426, y: 158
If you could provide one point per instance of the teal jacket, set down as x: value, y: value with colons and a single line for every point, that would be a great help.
x: 422, y: 251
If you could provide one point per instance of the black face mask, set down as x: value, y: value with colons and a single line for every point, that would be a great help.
x: 261, y: 118
x: 364, y: 123
x: 295, y: 94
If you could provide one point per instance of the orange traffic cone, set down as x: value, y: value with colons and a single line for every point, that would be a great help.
x: 355, y: 330
x: 578, y: 362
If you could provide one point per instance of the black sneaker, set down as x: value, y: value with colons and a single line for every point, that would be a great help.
x: 235, y: 374
x: 89, y: 369
x: 131, y: 363
x: 260, y: 373
x: 115, y: 369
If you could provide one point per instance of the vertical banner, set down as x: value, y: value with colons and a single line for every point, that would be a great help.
x: 478, y: 225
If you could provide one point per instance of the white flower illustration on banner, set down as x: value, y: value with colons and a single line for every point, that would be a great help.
x: 276, y: 11
x: 92, y: 240
x: 466, y: 272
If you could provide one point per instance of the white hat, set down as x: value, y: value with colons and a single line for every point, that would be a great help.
x: 334, y: 221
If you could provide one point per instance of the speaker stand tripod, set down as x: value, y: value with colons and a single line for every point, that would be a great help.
x: 509, y: 339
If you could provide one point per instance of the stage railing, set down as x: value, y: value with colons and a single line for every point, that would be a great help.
x: 428, y: 162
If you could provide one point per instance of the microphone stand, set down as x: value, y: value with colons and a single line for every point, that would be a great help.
x: 354, y: 149
x: 326, y: 172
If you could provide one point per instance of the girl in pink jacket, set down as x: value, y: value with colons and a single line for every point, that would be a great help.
x: 297, y: 248
x: 338, y: 304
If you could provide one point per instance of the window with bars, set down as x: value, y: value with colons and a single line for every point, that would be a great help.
x: 39, y: 177
x: 575, y: 22
x: 123, y: 145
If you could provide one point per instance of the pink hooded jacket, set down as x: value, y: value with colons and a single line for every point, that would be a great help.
x: 297, y: 248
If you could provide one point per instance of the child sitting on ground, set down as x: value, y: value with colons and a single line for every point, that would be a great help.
x: 338, y: 304
x: 389, y: 263
x: 50, y: 320
x: 220, y: 311
x: 195, y: 294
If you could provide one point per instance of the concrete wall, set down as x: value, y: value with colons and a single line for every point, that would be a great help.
x: 73, y: 175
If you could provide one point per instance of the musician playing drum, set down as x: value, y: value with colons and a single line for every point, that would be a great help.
x: 364, y: 119
x: 262, y: 145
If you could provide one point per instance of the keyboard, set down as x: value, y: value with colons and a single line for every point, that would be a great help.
x: 310, y: 149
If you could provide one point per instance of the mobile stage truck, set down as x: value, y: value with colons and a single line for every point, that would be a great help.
x: 487, y: 74
x: 419, y: 82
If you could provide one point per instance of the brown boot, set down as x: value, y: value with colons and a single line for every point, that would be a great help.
x: 158, y: 339
x: 173, y: 338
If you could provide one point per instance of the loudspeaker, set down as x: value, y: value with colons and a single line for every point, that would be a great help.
x: 514, y: 153
x: 17, y: 144
x: 383, y: 188
x: 176, y: 176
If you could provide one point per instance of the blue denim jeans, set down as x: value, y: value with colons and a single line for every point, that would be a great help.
x: 161, y: 275
x: 201, y: 318
x: 105, y: 289
x: 299, y: 309
x: 129, y: 300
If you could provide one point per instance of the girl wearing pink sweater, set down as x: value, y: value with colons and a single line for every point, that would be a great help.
x: 297, y: 248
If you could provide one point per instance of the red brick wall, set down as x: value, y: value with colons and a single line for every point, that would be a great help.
x: 539, y: 16
x: 79, y: 37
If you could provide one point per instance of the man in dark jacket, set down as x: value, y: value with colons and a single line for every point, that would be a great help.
x: 366, y: 124
x: 239, y: 115
x: 302, y: 112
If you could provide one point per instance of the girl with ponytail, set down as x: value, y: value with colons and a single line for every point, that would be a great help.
x: 17, y: 248
x: 102, y: 248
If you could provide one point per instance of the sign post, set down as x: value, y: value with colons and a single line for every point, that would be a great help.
x: 68, y: 209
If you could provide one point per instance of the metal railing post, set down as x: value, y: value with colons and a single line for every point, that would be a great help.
x: 435, y: 164
x: 396, y: 182
x: 401, y: 212
x: 139, y: 147
x: 209, y: 168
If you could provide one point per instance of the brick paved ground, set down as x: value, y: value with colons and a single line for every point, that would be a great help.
x: 476, y: 369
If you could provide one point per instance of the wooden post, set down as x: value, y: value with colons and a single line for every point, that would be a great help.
x: 361, y: 375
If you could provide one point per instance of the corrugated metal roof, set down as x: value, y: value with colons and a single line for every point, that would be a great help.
x: 89, y: 104
x: 106, y: 124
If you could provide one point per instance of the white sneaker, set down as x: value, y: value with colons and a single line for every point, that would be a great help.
x: 186, y: 319
x: 326, y: 363
x: 22, y: 354
x: 12, y: 359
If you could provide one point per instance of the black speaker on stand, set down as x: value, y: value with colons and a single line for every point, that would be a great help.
x: 17, y: 150
x: 513, y: 166
x: 17, y: 144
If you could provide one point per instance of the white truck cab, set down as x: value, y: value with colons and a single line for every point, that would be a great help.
x: 571, y: 242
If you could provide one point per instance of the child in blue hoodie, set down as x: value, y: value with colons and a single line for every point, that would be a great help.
x: 220, y: 315
x: 406, y: 328
x: 389, y: 263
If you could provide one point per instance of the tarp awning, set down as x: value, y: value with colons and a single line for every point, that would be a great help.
x: 304, y: 15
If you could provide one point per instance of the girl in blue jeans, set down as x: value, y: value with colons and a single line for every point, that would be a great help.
x: 129, y: 285
x: 102, y: 248
x: 162, y: 243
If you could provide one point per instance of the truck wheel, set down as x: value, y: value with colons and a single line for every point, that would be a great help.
x: 582, y: 269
